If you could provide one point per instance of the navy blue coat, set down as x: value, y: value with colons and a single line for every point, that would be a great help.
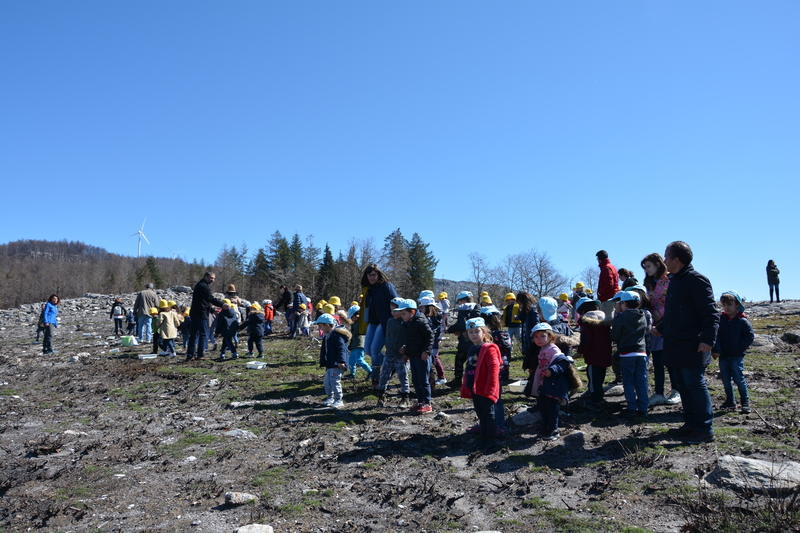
x: 735, y: 336
x: 227, y: 323
x: 377, y: 302
x: 334, y: 348
x: 255, y: 324
x: 465, y: 312
x: 690, y: 317
x: 202, y: 300
x: 558, y: 383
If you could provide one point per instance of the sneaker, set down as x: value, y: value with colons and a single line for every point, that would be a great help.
x: 416, y: 407
x: 746, y: 409
x: 163, y: 352
x: 553, y: 435
x: 674, y: 397
x: 328, y: 401
x: 698, y: 437
x: 454, y: 383
x: 441, y: 381
x: 427, y: 408
x: 337, y: 405
x: 173, y: 354
x: 403, y: 401
x: 657, y: 399
x: 249, y: 354
x: 259, y: 356
x: 474, y: 430
x: 499, y: 432
x: 729, y: 404
x: 593, y: 406
x: 235, y: 356
x: 680, y: 432
x: 221, y: 357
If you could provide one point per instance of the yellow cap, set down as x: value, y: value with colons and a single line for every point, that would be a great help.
x: 302, y: 306
x: 153, y: 311
x: 323, y: 302
x: 589, y: 291
x: 172, y: 303
x: 442, y: 295
x: 226, y: 301
x: 328, y: 308
x: 335, y: 300
x: 320, y: 305
x: 579, y: 285
x: 162, y: 303
x: 186, y: 313
x: 510, y: 296
x: 353, y: 303
x: 484, y: 293
x: 255, y: 306
x: 485, y: 299
x: 563, y: 296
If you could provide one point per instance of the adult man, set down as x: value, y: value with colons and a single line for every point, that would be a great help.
x: 607, y: 284
x: 141, y: 308
x: 201, y: 306
x: 689, y: 328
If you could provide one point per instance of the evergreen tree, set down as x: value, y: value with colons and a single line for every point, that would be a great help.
x: 326, y: 275
x: 295, y: 253
x: 278, y: 254
x: 421, y: 265
x: 396, y: 262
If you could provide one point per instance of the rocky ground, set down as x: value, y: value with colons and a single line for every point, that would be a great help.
x: 105, y: 442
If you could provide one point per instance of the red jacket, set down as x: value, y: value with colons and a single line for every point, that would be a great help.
x: 269, y: 312
x: 608, y: 284
x: 487, y: 374
x: 595, y: 346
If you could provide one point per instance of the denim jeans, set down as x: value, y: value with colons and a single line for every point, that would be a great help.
x: 144, y: 328
x: 374, y: 343
x: 485, y: 409
x: 634, y: 382
x: 420, y: 370
x: 198, y: 338
x: 731, y: 370
x: 691, y: 383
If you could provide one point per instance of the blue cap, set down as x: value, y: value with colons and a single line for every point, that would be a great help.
x: 407, y: 304
x: 463, y: 294
x: 549, y: 307
x: 639, y: 287
x: 476, y: 323
x: 626, y: 296
x: 489, y: 310
x: 425, y: 294
x: 735, y: 294
x: 584, y: 300
x: 541, y: 326
x: 352, y: 311
x: 427, y: 300
x: 325, y: 318
x: 398, y: 301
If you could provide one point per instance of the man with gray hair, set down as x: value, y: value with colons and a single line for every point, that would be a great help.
x: 141, y: 308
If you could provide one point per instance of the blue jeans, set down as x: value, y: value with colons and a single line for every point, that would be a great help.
x: 144, y: 328
x: 485, y: 409
x: 731, y: 370
x: 634, y: 382
x: 420, y: 370
x: 697, y: 411
x: 374, y: 343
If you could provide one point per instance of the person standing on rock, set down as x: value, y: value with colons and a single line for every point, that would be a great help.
x: 145, y: 300
x: 202, y: 299
x: 50, y: 322
x: 689, y: 328
x: 773, y: 280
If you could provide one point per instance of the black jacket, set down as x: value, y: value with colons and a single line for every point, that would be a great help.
x: 254, y: 324
x: 690, y: 317
x: 465, y: 312
x: 227, y: 323
x: 377, y: 302
x: 202, y: 300
x: 629, y: 330
x: 735, y: 336
x: 417, y: 336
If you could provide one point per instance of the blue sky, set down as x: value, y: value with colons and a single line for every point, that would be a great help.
x: 484, y: 127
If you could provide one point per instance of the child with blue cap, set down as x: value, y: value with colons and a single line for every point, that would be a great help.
x: 628, y: 331
x: 734, y: 337
x: 417, y: 348
x: 333, y: 355
x: 482, y: 378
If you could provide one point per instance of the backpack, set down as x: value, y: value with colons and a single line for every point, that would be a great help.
x: 117, y: 310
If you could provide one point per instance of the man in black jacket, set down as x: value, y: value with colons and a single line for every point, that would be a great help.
x: 689, y: 328
x: 201, y: 306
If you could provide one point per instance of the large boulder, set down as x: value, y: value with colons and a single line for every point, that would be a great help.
x: 744, y: 474
x: 792, y: 337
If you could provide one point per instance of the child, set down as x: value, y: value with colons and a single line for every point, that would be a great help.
x: 394, y: 361
x: 512, y: 324
x: 628, y: 330
x: 550, y: 379
x: 491, y: 317
x: 333, y: 356
x: 564, y: 309
x: 481, y: 379
x: 168, y: 322
x: 466, y: 309
x: 416, y: 349
x: 185, y: 328
x: 154, y: 327
x: 356, y: 344
x: 302, y: 321
x: 444, y: 303
x: 118, y: 313
x: 255, y: 330
x: 227, y: 327
x: 428, y: 307
x: 131, y: 318
x: 269, y: 316
x: 547, y: 312
x: 595, y: 347
x: 734, y: 337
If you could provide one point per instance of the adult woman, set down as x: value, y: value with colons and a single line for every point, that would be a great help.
x: 528, y: 316
x: 773, y: 280
x: 377, y: 292
x: 656, y: 281
x: 50, y: 322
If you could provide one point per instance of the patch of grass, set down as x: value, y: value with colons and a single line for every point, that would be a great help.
x: 535, y: 503
x: 274, y: 476
x: 9, y: 392
x: 338, y: 426
x: 710, y: 511
x: 291, y: 509
x: 186, y: 370
x: 188, y: 439
x: 95, y: 469
x: 68, y: 493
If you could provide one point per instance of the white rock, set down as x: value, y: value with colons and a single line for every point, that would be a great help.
x: 255, y: 528
x: 240, y: 433
x: 441, y: 415
x: 752, y: 474
x: 575, y: 440
x: 238, y: 498
x: 616, y: 390
x: 78, y: 357
x: 525, y: 418
x: 212, y: 383
x: 190, y: 459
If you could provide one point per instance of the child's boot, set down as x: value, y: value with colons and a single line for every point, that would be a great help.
x: 404, y: 400
x: 376, y: 373
x: 381, y: 398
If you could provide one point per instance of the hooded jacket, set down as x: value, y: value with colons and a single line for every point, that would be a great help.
x: 628, y: 330
x: 377, y: 301
x: 255, y: 324
x: 334, y: 348
x: 417, y: 336
x: 735, y: 335
x: 557, y: 385
x: 168, y: 323
x: 466, y: 311
x: 595, y: 343
x: 690, y: 318
x: 227, y: 323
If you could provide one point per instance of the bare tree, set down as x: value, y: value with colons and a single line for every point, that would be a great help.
x: 589, y: 276
x: 532, y: 272
x: 481, y: 271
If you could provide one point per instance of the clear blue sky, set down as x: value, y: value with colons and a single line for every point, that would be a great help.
x: 488, y: 127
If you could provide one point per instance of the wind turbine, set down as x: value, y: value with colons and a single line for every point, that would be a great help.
x: 141, y: 234
x: 174, y: 254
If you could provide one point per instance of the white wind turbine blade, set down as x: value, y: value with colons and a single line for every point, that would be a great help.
x: 145, y: 238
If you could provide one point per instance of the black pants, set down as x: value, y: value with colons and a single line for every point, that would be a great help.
x: 548, y: 407
x: 597, y: 375
x: 484, y: 408
x: 461, y: 360
x: 118, y: 326
x: 47, y: 342
x: 777, y: 292
x: 255, y: 339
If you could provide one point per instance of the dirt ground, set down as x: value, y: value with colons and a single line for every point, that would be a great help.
x: 111, y: 443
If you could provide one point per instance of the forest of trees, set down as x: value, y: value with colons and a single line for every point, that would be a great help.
x: 31, y: 269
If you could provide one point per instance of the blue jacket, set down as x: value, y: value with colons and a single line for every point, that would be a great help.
x: 735, y: 336
x: 529, y: 320
x: 378, y: 298
x: 557, y: 384
x: 334, y: 348
x: 299, y: 298
x: 255, y: 324
x: 50, y: 315
x: 227, y: 323
x: 690, y: 317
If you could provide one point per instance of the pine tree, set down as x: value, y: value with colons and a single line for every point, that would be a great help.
x: 396, y: 262
x: 326, y: 275
x: 421, y: 265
